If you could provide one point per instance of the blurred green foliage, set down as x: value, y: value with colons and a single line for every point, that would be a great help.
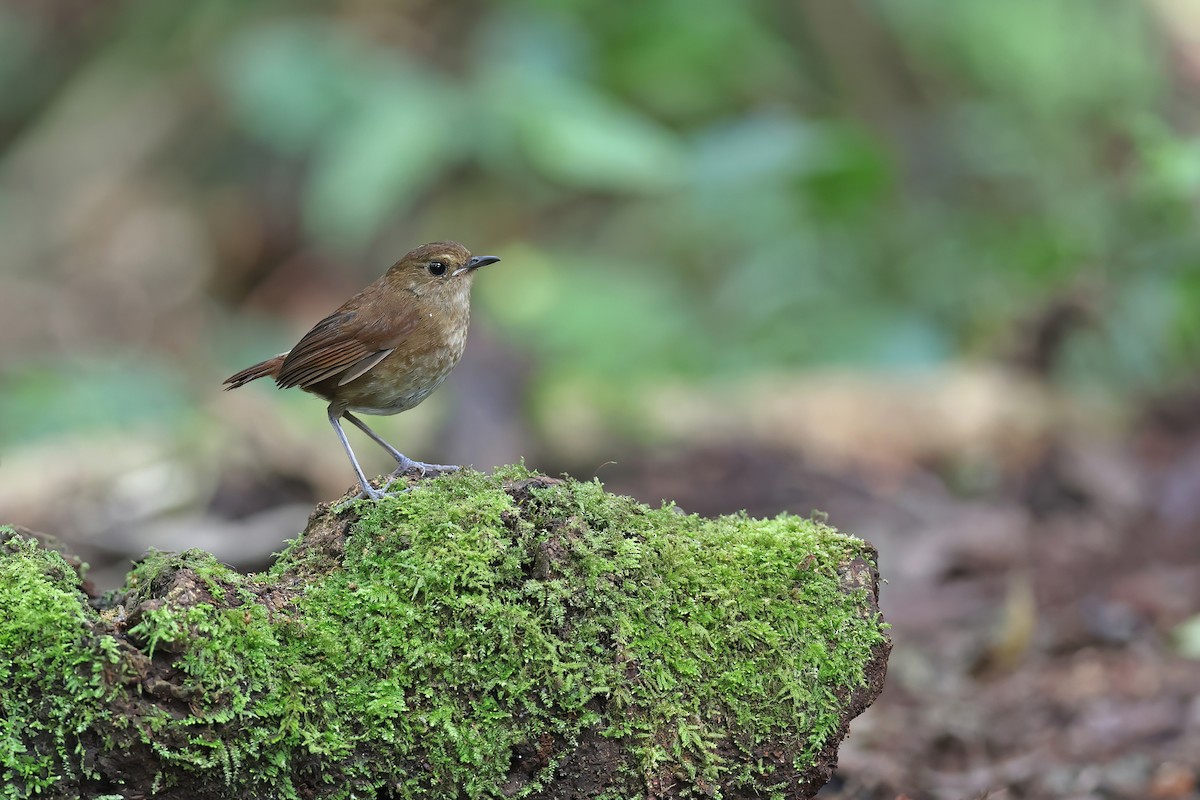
x: 692, y: 188
x: 79, y: 395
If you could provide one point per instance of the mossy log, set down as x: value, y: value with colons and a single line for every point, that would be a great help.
x: 479, y: 636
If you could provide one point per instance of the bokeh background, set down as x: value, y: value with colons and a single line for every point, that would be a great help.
x: 930, y: 268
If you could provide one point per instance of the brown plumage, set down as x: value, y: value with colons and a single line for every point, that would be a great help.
x: 385, y: 349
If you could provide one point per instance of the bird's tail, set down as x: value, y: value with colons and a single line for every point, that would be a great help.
x: 260, y: 370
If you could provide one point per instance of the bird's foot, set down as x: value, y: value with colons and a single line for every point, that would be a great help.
x: 369, y: 492
x: 425, y: 470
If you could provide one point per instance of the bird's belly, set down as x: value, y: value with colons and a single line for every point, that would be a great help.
x: 398, y: 383
x: 392, y: 402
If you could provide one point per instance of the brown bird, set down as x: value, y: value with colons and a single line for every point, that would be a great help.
x: 385, y: 349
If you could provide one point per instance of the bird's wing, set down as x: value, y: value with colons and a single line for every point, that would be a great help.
x: 341, y: 346
x: 364, y: 364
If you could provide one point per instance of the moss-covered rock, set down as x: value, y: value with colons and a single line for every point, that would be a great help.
x: 479, y: 636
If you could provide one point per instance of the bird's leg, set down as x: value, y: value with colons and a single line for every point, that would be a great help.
x: 367, y: 489
x: 404, y: 462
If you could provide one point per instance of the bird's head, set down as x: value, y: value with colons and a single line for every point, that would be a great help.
x: 438, y: 270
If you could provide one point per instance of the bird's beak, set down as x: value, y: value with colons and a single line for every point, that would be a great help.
x: 480, y: 261
x: 475, y: 263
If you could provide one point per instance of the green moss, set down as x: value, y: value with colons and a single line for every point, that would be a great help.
x: 459, y: 626
x: 52, y: 685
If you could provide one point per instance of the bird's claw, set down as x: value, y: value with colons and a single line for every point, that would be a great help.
x: 369, y: 492
x: 425, y: 470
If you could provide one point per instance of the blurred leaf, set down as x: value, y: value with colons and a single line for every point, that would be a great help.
x: 580, y: 138
x: 1136, y: 341
x: 1023, y: 50
x: 771, y: 147
x: 289, y: 83
x: 379, y: 129
x: 695, y: 60
x: 851, y: 178
x: 378, y: 161
x: 598, y: 325
x: 74, y: 395
x: 1172, y: 164
x: 531, y: 41
x: 1187, y: 638
x: 874, y: 335
x: 766, y: 147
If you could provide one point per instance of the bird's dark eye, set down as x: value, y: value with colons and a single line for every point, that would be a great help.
x: 437, y: 268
